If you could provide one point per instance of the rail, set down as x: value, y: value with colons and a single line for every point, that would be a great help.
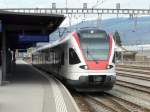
x: 136, y: 63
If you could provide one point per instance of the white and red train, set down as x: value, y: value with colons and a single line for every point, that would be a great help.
x: 83, y: 59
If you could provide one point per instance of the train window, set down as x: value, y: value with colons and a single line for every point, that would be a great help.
x: 62, y: 58
x: 56, y: 58
x: 114, y: 58
x: 52, y: 56
x: 73, y: 57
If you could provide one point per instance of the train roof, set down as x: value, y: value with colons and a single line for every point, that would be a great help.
x: 63, y: 39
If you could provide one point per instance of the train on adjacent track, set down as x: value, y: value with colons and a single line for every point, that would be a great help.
x: 83, y: 59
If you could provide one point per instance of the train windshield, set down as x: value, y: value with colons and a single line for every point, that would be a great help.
x: 95, y: 44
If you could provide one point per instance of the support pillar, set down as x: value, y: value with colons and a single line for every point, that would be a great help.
x: 0, y: 53
x: 4, y: 66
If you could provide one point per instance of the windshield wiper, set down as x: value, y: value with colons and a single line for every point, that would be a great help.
x: 89, y: 54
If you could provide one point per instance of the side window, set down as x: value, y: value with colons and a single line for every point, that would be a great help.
x: 52, y: 56
x: 114, y: 58
x: 62, y: 58
x: 73, y: 57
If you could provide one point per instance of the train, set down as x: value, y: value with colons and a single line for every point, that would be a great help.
x: 84, y: 59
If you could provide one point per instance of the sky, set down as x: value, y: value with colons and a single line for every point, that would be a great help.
x: 75, y: 4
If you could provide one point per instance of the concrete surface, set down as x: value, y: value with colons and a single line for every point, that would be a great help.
x: 24, y: 92
x: 29, y: 91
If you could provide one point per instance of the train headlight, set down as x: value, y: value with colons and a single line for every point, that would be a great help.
x: 84, y: 67
x: 109, y: 66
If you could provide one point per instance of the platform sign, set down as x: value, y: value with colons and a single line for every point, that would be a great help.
x: 0, y: 26
x: 34, y: 38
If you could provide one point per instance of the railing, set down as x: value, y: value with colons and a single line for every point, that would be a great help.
x: 80, y: 11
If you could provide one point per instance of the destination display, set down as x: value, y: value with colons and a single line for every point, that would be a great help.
x: 93, y: 34
x: 34, y: 38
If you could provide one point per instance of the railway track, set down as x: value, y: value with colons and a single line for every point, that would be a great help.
x: 133, y: 86
x: 139, y: 71
x: 137, y: 77
x: 110, y: 103
x: 136, y: 72
x: 133, y: 67
x: 134, y: 75
x: 106, y: 102
x: 83, y: 105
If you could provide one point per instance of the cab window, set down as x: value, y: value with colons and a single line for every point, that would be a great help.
x: 73, y: 57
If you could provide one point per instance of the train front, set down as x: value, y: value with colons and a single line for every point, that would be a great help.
x: 95, y: 70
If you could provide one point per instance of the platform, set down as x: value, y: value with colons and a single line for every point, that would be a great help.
x: 29, y: 91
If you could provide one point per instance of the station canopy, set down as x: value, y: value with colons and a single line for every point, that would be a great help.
x: 28, y: 25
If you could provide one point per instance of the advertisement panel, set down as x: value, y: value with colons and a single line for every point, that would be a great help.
x: 34, y: 38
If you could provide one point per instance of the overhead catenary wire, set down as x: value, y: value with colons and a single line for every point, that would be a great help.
x: 99, y: 2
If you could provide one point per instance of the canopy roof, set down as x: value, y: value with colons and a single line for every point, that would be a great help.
x: 14, y: 24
